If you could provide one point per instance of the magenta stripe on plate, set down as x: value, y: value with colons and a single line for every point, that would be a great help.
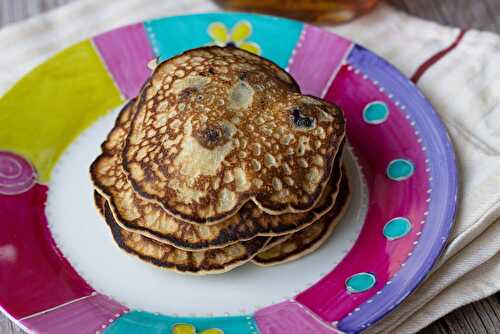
x: 34, y: 275
x: 291, y: 318
x: 86, y: 315
x: 316, y: 59
x: 375, y: 146
x: 126, y: 52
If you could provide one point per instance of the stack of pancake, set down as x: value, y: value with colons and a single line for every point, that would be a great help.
x: 220, y: 161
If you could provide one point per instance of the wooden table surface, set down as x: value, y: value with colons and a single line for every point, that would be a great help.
x: 482, y: 317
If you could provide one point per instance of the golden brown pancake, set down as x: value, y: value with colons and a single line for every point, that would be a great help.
x: 218, y: 127
x: 290, y: 248
x: 275, y: 241
x: 135, y: 214
x: 167, y: 257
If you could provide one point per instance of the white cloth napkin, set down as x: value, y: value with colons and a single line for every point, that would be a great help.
x: 464, y: 87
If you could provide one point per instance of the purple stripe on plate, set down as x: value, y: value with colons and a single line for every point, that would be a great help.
x: 126, y: 52
x: 291, y: 318
x: 316, y: 59
x: 443, y: 183
x: 85, y: 315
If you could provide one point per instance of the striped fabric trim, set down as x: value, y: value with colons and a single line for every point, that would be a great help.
x: 436, y: 57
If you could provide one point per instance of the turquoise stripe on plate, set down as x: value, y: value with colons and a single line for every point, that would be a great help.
x: 275, y: 37
x: 147, y: 323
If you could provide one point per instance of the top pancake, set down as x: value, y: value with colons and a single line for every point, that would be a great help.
x: 135, y: 214
x: 217, y: 127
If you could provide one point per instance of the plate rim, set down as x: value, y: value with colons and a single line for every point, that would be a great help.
x: 431, y: 113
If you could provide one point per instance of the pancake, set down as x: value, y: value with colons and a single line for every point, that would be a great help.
x: 218, y: 127
x: 167, y: 257
x: 135, y: 214
x: 307, y: 240
x: 275, y: 241
x: 114, y: 139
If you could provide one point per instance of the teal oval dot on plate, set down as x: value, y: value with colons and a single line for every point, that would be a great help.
x: 400, y: 169
x: 360, y: 282
x: 397, y: 228
x: 375, y: 112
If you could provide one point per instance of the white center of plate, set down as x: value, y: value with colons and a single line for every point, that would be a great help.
x: 84, y: 238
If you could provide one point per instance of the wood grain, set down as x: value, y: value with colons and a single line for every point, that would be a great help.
x: 482, y: 317
x: 478, y: 14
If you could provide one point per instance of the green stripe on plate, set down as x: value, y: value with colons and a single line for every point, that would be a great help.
x: 48, y: 108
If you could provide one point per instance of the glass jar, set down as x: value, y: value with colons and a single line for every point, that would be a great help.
x: 316, y: 11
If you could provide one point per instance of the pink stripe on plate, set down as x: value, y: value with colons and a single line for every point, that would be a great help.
x: 126, y: 52
x: 316, y: 59
x: 291, y: 318
x: 86, y: 315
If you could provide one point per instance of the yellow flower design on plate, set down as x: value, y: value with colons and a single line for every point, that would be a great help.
x: 237, y: 36
x: 190, y: 329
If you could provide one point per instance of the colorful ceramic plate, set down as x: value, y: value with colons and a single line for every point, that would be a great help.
x: 60, y: 271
